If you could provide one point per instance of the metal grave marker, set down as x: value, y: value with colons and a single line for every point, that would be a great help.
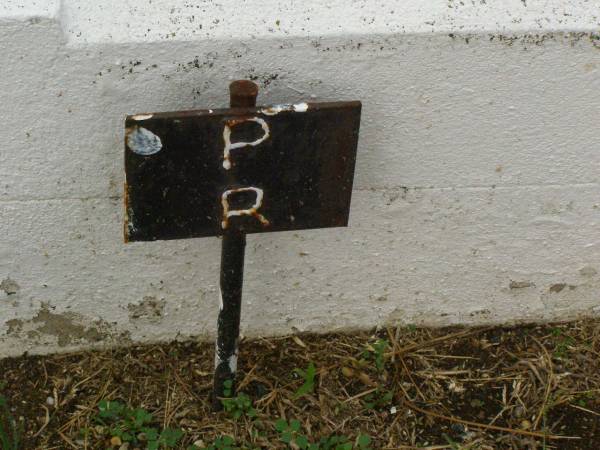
x: 228, y: 172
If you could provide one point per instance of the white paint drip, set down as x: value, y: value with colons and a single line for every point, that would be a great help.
x: 300, y: 107
x: 276, y: 109
x: 139, y: 117
x: 233, y: 362
x: 143, y: 142
x: 217, y: 358
x: 232, y: 146
x: 252, y: 211
x: 233, y: 359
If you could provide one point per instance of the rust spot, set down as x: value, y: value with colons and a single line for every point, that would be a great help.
x: 237, y: 121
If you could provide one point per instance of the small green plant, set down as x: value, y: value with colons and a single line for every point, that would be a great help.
x: 584, y: 398
x: 561, y: 349
x: 290, y: 434
x: 134, y: 425
x: 238, y: 406
x: 453, y: 445
x: 222, y: 443
x: 362, y: 442
x: 308, y: 376
x: 225, y: 443
x: 380, y: 398
x: 10, y: 432
x: 376, y: 353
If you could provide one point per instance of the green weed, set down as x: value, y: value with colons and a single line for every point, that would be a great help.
x: 134, y: 425
x: 290, y: 434
x: 376, y: 353
x: 308, y: 376
x: 378, y: 399
x: 238, y: 406
x: 10, y: 432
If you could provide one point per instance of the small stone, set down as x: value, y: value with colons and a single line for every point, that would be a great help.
x: 50, y: 401
x: 393, y: 410
x: 199, y: 443
x: 347, y: 372
x: 518, y: 412
x: 115, y: 441
x: 366, y: 379
x: 458, y: 428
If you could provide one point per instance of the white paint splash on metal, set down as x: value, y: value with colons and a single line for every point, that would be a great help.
x: 300, y: 107
x: 233, y: 359
x: 232, y: 146
x: 276, y: 109
x: 143, y: 141
x: 139, y: 117
x: 217, y: 358
x: 233, y: 362
x: 252, y: 211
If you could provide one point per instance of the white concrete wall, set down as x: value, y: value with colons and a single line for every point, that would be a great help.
x: 476, y: 197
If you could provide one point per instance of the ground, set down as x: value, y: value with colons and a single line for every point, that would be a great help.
x: 525, y: 387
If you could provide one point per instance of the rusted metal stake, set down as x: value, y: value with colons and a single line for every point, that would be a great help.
x: 243, y: 93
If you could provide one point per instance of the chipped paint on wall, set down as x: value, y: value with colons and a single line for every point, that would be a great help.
x: 65, y: 329
x: 9, y: 286
x: 149, y: 309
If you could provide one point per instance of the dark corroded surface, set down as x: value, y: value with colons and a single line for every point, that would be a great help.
x: 179, y: 177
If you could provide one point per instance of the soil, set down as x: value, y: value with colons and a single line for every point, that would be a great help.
x: 525, y: 387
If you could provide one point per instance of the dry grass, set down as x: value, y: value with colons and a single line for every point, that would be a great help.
x: 529, y: 387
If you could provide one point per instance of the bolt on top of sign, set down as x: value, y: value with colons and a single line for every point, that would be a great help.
x: 256, y: 169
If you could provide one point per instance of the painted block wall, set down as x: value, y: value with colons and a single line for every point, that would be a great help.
x: 476, y: 197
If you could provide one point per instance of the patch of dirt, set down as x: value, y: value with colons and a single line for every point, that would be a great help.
x: 527, y: 387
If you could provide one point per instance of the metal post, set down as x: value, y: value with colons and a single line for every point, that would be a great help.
x: 242, y: 94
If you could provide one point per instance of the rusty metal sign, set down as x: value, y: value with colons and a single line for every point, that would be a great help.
x: 255, y: 169
x: 235, y: 171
